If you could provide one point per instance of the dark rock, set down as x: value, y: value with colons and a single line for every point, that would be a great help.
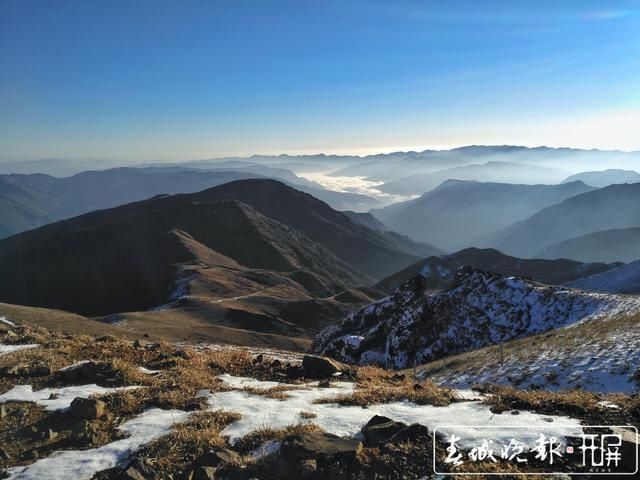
x: 320, y: 367
x: 202, y: 473
x: 307, y: 446
x: 138, y: 344
x: 88, y: 408
x: 182, y: 354
x: 276, y: 363
x: 131, y: 473
x: 31, y: 369
x: 324, y: 384
x: 90, y: 372
x: 83, y: 432
x: 411, y: 433
x: 106, y: 338
x: 398, y: 377
x: 259, y: 358
x: 216, y: 458
x: 137, y: 469
x: 198, y: 403
x: 380, y: 429
x: 417, y: 386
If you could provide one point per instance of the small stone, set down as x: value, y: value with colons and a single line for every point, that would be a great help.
x: 137, y: 343
x: 380, y: 429
x: 203, y: 473
x: 324, y: 384
x: 88, y: 408
x: 3, y: 411
x: 53, y: 396
x: 218, y: 457
x: 82, y: 432
x: 259, y: 358
x: 106, y: 338
x: 308, y: 468
x: 52, y: 435
x: 131, y: 473
x: 417, y: 386
x: 276, y: 363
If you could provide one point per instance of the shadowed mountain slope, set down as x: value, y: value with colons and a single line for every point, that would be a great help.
x: 126, y: 258
x: 612, y: 207
x: 614, y: 245
x: 374, y: 253
x: 439, y: 272
x: 30, y: 201
x: 457, y: 213
x: 605, y: 178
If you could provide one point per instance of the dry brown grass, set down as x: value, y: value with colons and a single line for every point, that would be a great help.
x: 572, y: 401
x: 308, y: 415
x: 277, y: 393
x: 375, y: 385
x: 188, y: 441
x: 265, y: 434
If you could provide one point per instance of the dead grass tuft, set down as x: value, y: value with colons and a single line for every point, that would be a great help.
x: 265, y: 434
x: 375, y: 385
x: 188, y: 441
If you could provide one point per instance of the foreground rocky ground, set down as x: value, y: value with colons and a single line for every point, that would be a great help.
x: 106, y: 408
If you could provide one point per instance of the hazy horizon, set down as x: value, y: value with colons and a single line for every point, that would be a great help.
x: 162, y: 81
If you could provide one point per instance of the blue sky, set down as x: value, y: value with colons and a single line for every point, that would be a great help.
x: 168, y: 80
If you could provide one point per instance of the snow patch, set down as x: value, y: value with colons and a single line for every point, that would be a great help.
x: 55, y: 398
x: 6, y: 321
x: 83, y: 464
x: 259, y: 411
x: 4, y: 349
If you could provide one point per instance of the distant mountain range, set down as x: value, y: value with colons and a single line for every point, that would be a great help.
x: 410, y: 327
x: 398, y: 165
x: 500, y: 172
x: 605, y: 178
x: 615, y: 245
x: 612, y: 207
x: 458, y: 213
x: 439, y: 272
x: 36, y: 199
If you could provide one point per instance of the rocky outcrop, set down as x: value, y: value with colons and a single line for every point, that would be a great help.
x: 480, y: 309
x: 321, y: 367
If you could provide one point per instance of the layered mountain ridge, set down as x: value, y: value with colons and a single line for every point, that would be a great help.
x: 412, y: 327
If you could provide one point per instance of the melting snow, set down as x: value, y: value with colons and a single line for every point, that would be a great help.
x: 4, y: 349
x: 259, y: 411
x: 7, y: 321
x: 55, y: 398
x: 605, y: 363
x: 83, y: 464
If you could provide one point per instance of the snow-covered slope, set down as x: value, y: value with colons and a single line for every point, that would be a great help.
x: 480, y: 309
x: 624, y: 279
x: 595, y: 355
